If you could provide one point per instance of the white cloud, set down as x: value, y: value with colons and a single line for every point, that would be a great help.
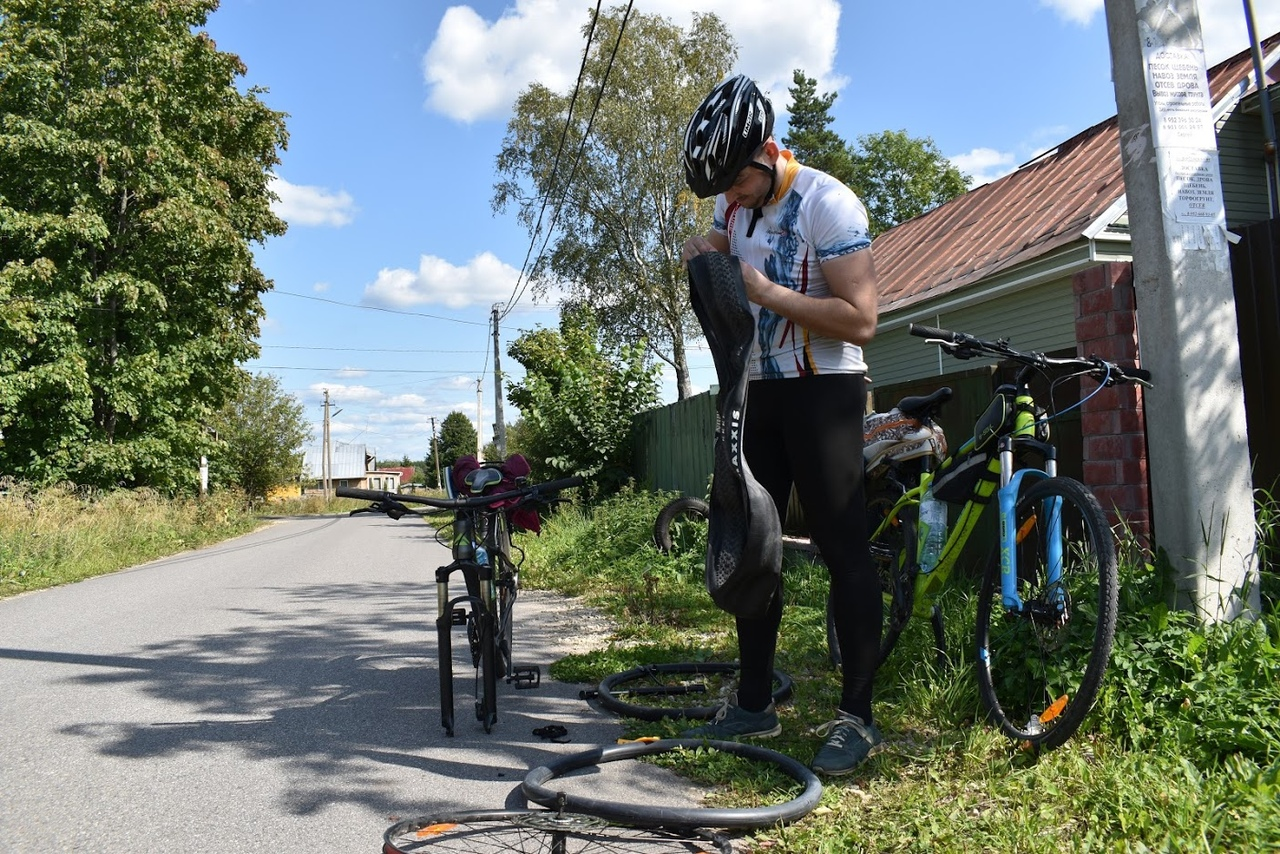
x: 985, y: 165
x: 1222, y: 22
x: 475, y: 68
x: 484, y: 280
x: 305, y: 205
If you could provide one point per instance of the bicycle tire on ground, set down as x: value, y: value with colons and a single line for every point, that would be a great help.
x: 1039, y: 672
x: 678, y: 514
x: 644, y: 815
x: 653, y: 692
x: 537, y: 831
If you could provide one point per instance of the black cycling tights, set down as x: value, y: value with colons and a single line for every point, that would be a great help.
x: 808, y: 431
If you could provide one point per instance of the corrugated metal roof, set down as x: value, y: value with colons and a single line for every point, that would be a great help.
x: 346, y: 461
x: 1044, y: 205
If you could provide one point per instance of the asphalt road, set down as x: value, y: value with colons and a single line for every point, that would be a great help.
x: 277, y: 692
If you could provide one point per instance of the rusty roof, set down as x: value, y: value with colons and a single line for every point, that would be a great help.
x: 1045, y: 204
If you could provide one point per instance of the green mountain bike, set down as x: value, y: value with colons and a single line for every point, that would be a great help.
x: 1047, y: 601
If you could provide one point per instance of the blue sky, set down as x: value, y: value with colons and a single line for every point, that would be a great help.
x: 397, y: 108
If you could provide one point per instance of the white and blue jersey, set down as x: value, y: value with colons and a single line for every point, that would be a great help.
x: 814, y: 218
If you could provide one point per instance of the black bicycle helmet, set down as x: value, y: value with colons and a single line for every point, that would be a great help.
x: 723, y: 135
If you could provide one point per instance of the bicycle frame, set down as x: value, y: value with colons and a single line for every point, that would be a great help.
x: 1022, y: 435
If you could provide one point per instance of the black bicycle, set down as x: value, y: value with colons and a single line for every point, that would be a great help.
x: 483, y: 553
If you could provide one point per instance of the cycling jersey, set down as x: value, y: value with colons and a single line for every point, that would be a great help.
x: 812, y: 218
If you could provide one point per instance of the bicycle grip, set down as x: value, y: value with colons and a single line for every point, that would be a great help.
x: 1134, y: 373
x: 362, y: 494
x: 562, y: 483
x: 921, y: 331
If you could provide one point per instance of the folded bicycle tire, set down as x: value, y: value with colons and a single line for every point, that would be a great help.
x: 744, y: 533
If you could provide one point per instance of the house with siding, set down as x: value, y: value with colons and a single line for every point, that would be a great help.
x: 1041, y: 257
x: 349, y: 465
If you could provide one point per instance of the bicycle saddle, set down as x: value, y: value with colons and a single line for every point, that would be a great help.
x: 744, y: 534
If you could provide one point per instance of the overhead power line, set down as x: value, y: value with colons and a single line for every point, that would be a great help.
x: 582, y: 147
x: 518, y: 290
x: 366, y: 349
x: 379, y: 308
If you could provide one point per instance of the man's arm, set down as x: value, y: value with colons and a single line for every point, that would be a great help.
x: 849, y: 314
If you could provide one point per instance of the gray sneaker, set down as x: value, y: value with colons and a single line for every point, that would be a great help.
x: 732, y: 721
x: 849, y: 743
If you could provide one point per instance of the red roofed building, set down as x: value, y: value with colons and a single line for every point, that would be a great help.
x: 1041, y: 257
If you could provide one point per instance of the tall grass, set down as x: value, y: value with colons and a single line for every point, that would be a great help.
x: 63, y: 534
x: 1181, y: 753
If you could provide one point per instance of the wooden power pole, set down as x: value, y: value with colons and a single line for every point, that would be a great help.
x: 499, y: 425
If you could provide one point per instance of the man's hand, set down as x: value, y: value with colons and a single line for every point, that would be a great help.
x: 697, y: 245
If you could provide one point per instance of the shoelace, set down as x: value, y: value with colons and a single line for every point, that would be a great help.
x: 840, y: 729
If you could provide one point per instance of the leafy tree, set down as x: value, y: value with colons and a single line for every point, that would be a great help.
x: 133, y: 179
x: 262, y: 430
x: 808, y: 136
x: 578, y: 402
x: 899, y: 177
x: 457, y: 439
x: 515, y: 441
x: 618, y: 215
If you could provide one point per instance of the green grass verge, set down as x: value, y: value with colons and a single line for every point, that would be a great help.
x: 1182, y: 752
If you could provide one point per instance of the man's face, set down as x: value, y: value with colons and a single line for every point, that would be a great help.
x: 752, y: 187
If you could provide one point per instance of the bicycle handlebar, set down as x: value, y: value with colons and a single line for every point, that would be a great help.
x: 965, y: 346
x: 392, y: 499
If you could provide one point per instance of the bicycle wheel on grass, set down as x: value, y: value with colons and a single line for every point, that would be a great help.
x: 642, y: 815
x: 682, y: 526
x: 537, y: 831
x: 1039, y: 669
x: 690, y: 689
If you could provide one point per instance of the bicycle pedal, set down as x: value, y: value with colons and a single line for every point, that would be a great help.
x: 459, y: 617
x: 527, y: 676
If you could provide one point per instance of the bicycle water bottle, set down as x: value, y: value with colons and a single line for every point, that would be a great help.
x: 482, y: 555
x: 933, y: 530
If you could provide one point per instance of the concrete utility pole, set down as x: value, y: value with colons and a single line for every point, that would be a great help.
x: 1202, y: 494
x: 435, y: 453
x: 326, y: 462
x: 479, y: 418
x: 499, y: 426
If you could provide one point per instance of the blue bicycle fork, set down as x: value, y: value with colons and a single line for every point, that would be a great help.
x: 1010, y: 483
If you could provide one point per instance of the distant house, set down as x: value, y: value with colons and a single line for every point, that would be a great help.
x: 1042, y: 257
x: 349, y: 465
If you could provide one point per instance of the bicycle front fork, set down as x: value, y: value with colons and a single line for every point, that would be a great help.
x: 1010, y: 485
x: 475, y: 613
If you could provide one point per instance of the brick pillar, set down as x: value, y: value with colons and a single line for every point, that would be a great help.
x: 1112, y: 421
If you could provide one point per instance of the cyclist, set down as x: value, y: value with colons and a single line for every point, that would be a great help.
x: 803, y: 241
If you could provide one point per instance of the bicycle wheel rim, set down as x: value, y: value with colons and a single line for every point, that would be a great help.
x: 644, y: 815
x: 682, y: 526
x: 1039, y: 672
x: 530, y: 831
x: 653, y: 702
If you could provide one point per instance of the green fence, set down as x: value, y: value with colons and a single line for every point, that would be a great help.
x: 674, y: 445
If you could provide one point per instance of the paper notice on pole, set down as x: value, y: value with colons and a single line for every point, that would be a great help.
x: 1178, y: 93
x: 1192, y: 185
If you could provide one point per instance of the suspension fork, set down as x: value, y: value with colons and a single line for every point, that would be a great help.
x: 1007, y: 497
x: 454, y: 612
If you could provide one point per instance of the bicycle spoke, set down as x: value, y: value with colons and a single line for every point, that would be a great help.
x: 530, y: 832
x: 1040, y: 667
